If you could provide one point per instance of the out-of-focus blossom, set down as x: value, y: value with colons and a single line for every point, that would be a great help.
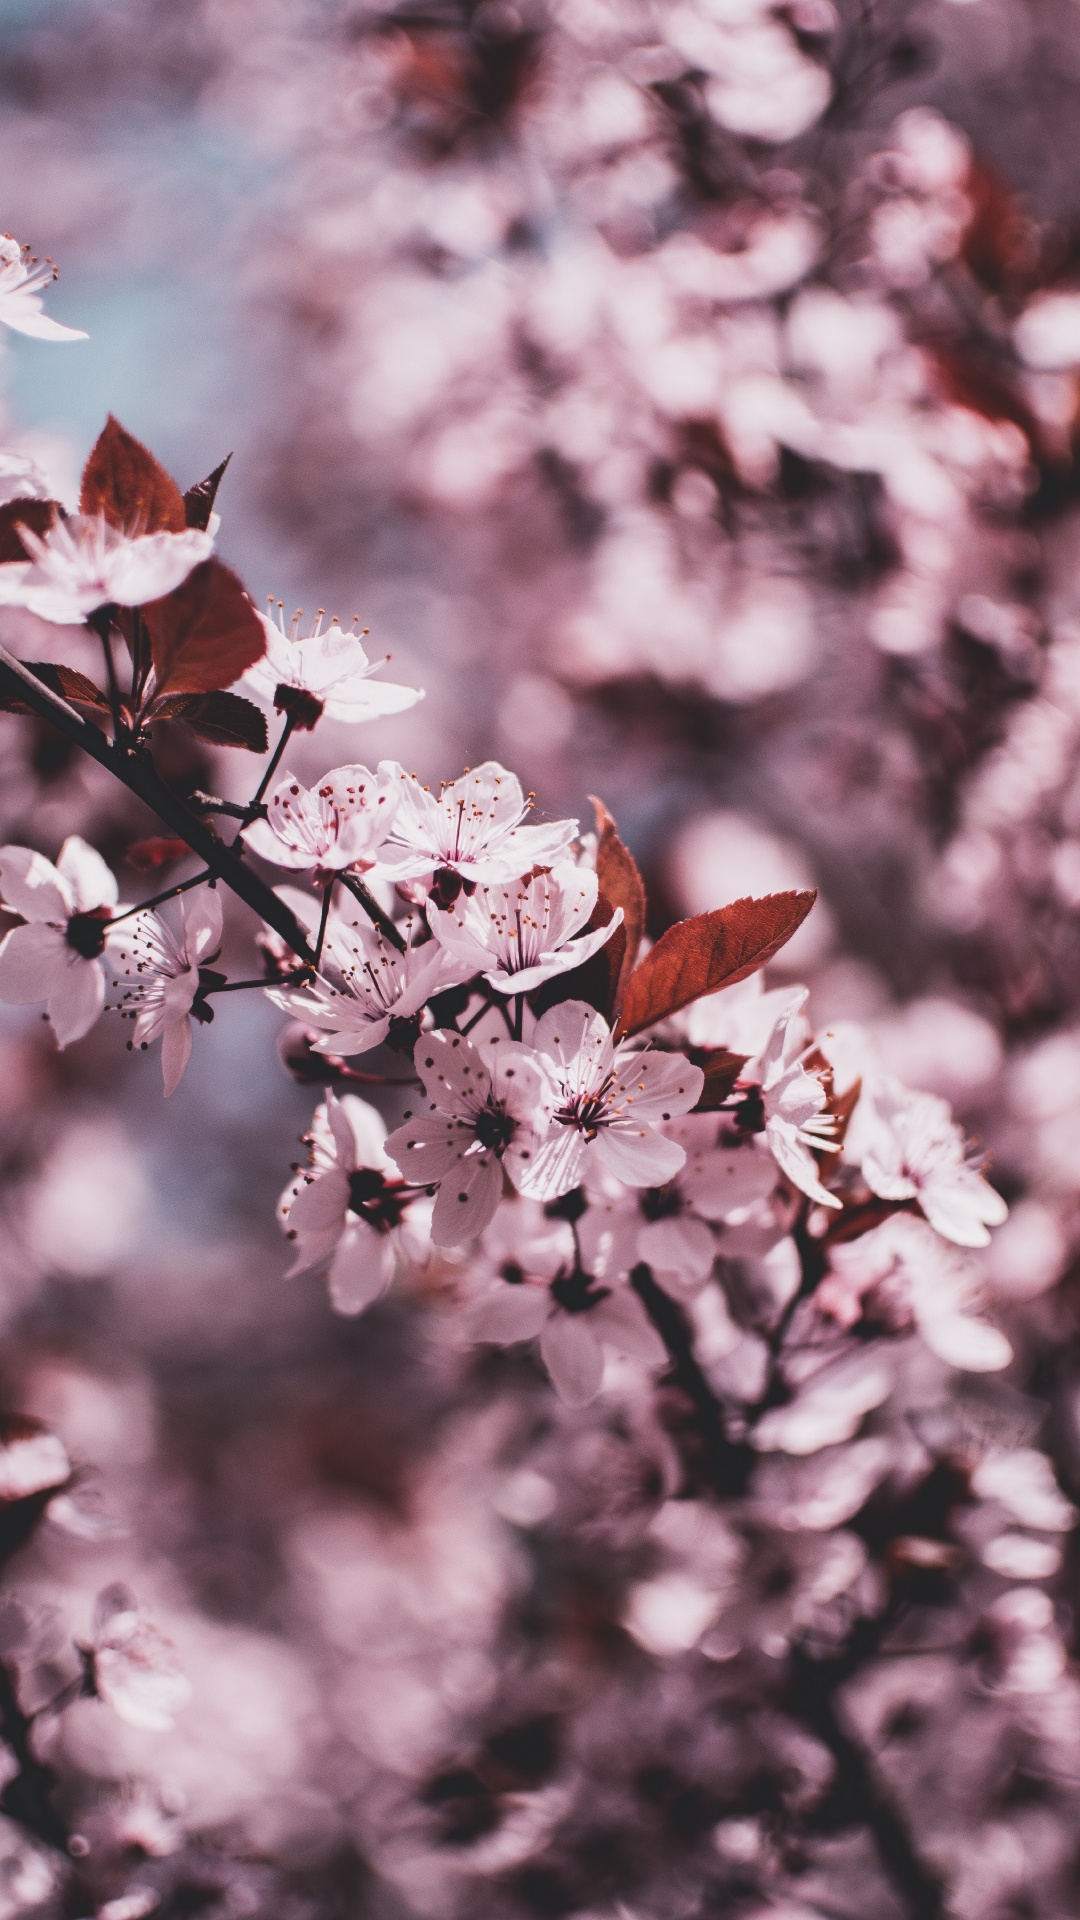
x: 132, y: 1667
x: 166, y: 975
x: 350, y: 1207
x: 22, y: 279
x: 473, y: 831
x: 794, y: 1100
x: 911, y: 1149
x: 900, y: 1275
x: 56, y: 955
x: 343, y: 822
x: 524, y: 932
x: 331, y: 668
x: 82, y: 563
x: 484, y: 1115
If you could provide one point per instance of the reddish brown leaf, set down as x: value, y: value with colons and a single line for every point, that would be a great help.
x: 66, y: 681
x: 147, y: 855
x: 712, y: 950
x: 1001, y: 242
x: 199, y: 500
x: 721, y: 1070
x: 38, y: 515
x: 206, y: 634
x: 621, y: 885
x: 224, y: 719
x: 123, y: 481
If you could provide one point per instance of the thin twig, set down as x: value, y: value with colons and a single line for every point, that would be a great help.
x: 373, y: 910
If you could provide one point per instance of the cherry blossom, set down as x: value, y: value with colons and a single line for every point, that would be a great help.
x: 331, y: 668
x: 342, y: 822
x: 22, y: 279
x: 796, y: 1124
x: 900, y: 1275
x: 487, y: 1111
x: 522, y: 932
x: 472, y: 831
x: 911, y: 1149
x: 56, y: 955
x: 82, y: 563
x: 608, y: 1103
x: 166, y: 972
x: 365, y: 985
x: 131, y: 1665
x: 349, y: 1206
x: 529, y: 1285
x: 675, y: 1224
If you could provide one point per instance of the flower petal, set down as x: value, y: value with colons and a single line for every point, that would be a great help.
x: 574, y: 1358
x: 467, y: 1200
x: 362, y: 1268
x: 76, y: 999
x: 31, y: 885
x: 32, y: 960
x: 92, y: 883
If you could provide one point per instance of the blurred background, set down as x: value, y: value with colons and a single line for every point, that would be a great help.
x: 686, y: 393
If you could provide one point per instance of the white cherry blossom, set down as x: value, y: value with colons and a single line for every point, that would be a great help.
x: 473, y: 829
x: 340, y: 823
x: 22, y: 280
x: 166, y: 975
x: 522, y: 932
x: 900, y: 1274
x: 365, y: 984
x: 55, y: 956
x: 485, y: 1112
x: 529, y: 1286
x: 82, y: 562
x: 912, y: 1149
x: 796, y: 1124
x: 350, y: 1207
x: 330, y: 666
x: 131, y: 1665
x: 609, y: 1101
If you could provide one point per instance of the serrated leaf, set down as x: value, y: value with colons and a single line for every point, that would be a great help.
x: 123, y: 481
x: 710, y: 951
x: 199, y: 500
x: 620, y: 885
x: 67, y: 681
x: 38, y: 515
x: 206, y: 634
x: 225, y: 719
x: 721, y: 1070
x: 146, y: 856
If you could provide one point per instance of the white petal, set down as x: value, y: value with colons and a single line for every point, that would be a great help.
x: 320, y: 1205
x: 466, y: 1200
x: 175, y: 1051
x: 509, y: 1313
x: 92, y: 883
x: 621, y: 1322
x: 31, y: 885
x: 362, y: 1267
x: 574, y: 1358
x: 202, y: 924
x: 678, y: 1245
x: 428, y: 1147
x: 558, y: 1165
x: 973, y: 1345
x: 454, y: 1073
x: 32, y: 960
x: 638, y: 1156
x: 77, y: 999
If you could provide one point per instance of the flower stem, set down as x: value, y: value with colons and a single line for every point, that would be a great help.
x: 323, y: 918
x: 726, y: 1463
x: 372, y: 908
x: 156, y: 900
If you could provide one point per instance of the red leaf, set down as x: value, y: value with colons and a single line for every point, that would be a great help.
x: 38, y: 515
x: 712, y: 950
x: 621, y: 885
x: 123, y: 481
x: 199, y: 500
x: 721, y: 1070
x: 225, y: 719
x: 67, y: 681
x: 206, y: 634
x: 147, y: 855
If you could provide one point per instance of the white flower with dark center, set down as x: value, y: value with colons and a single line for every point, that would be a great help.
x: 131, y: 1666
x: 472, y: 833
x: 912, y: 1149
x: 82, y: 562
x: 485, y: 1113
x: 522, y: 932
x: 608, y: 1104
x: 341, y: 823
x: 529, y: 1285
x: 22, y: 279
x: 55, y: 956
x: 793, y: 1101
x: 899, y: 1275
x: 166, y: 972
x: 366, y: 985
x: 719, y: 1184
x: 350, y: 1207
x: 320, y: 672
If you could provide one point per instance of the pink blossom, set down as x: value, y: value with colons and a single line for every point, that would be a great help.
x: 166, y: 972
x: 796, y: 1124
x: 132, y: 1666
x: 22, y: 279
x: 365, y: 984
x: 331, y: 666
x: 340, y: 823
x: 350, y: 1207
x: 82, y: 563
x: 55, y: 956
x: 522, y: 932
x: 911, y: 1149
x: 474, y: 829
